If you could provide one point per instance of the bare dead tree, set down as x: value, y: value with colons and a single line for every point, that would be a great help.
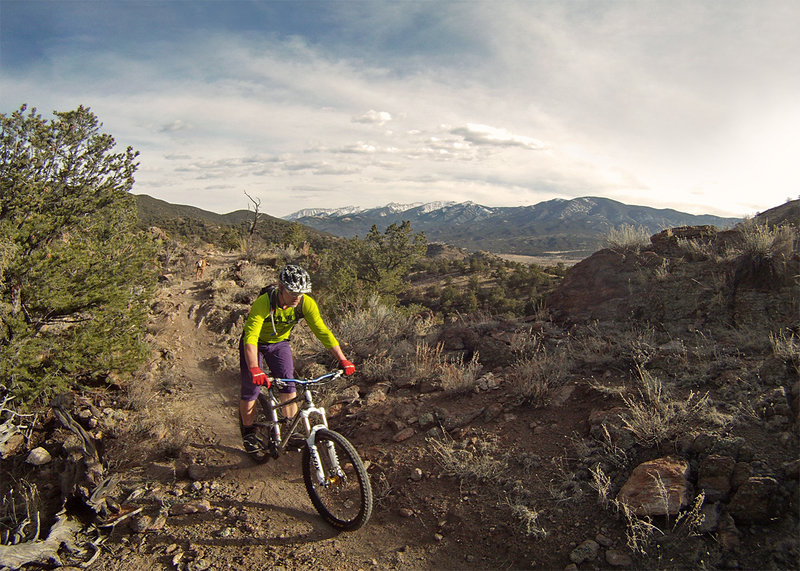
x: 251, y: 225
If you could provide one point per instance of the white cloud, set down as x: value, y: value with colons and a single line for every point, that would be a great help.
x: 486, y: 135
x: 374, y: 117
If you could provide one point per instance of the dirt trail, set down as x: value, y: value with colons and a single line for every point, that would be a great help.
x: 260, y: 515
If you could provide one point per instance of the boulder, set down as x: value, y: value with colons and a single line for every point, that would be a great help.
x: 758, y: 500
x: 657, y: 487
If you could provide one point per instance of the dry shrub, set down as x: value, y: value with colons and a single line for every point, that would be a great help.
x: 224, y: 292
x: 525, y: 342
x: 764, y: 241
x: 158, y: 429
x: 627, y: 237
x: 533, y: 377
x: 372, y: 328
x: 655, y: 417
x: 767, y: 254
x: 460, y: 377
x: 476, y: 464
x: 255, y: 277
x: 786, y: 347
x: 379, y: 366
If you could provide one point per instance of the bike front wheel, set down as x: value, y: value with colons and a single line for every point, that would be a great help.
x: 343, y: 496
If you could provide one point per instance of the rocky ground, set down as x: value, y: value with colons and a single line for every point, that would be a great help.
x: 474, y: 480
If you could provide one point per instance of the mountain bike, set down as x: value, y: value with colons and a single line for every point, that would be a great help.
x: 334, y: 475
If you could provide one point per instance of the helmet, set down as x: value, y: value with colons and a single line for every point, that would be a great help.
x: 295, y: 279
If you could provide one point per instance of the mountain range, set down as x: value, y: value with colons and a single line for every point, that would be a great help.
x: 576, y: 227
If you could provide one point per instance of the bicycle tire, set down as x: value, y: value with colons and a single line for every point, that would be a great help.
x: 344, y: 502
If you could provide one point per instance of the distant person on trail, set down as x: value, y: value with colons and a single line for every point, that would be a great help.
x: 265, y: 339
x: 201, y: 267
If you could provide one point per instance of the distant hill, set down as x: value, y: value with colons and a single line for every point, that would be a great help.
x: 787, y: 213
x: 576, y: 226
x: 193, y: 222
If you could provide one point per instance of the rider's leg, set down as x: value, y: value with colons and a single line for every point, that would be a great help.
x: 278, y: 357
x: 247, y: 410
x: 289, y: 410
x: 249, y: 392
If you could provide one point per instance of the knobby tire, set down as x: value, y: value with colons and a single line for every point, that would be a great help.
x: 345, y: 503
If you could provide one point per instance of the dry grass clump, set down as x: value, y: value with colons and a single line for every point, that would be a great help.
x: 255, y: 277
x: 761, y: 240
x: 639, y: 531
x: 528, y: 518
x: 532, y: 377
x: 484, y: 462
x: 654, y: 416
x: 601, y: 483
x: 627, y: 237
x: 460, y: 377
x: 454, y: 376
x: 158, y: 426
x: 480, y: 462
x: 700, y: 249
x: 786, y: 346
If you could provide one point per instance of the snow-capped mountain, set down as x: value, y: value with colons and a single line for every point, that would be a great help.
x: 576, y: 225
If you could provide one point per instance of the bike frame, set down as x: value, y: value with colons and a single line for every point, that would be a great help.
x: 307, y: 408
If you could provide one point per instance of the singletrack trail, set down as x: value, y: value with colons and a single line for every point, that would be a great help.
x: 261, y: 515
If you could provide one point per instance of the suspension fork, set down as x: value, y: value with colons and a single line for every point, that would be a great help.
x: 315, y: 452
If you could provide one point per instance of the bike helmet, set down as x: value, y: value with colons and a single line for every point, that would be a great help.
x: 295, y: 279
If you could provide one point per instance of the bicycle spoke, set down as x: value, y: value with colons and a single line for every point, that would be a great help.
x: 343, y: 496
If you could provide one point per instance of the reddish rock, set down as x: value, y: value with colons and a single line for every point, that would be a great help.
x: 657, y: 487
x: 404, y: 434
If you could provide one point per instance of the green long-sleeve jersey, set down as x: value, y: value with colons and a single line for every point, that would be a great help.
x: 261, y: 327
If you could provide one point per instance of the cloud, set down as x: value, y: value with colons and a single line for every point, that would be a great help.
x: 374, y: 117
x: 176, y: 126
x: 486, y: 135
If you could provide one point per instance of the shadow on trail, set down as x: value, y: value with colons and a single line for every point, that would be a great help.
x: 319, y: 531
x: 242, y: 461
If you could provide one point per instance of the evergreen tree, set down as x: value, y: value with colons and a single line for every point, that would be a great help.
x: 76, y: 275
x: 378, y: 264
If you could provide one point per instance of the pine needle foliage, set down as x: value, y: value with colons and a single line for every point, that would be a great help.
x: 76, y: 275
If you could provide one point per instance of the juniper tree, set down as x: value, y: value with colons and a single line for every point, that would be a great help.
x: 75, y: 273
x: 377, y: 264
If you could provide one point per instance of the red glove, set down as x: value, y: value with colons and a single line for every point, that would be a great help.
x: 259, y: 377
x: 349, y: 368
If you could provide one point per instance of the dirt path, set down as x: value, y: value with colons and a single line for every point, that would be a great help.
x: 260, y: 516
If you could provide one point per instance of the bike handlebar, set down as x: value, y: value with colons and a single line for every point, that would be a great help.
x: 326, y: 378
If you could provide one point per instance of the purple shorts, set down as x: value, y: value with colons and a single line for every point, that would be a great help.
x: 280, y: 364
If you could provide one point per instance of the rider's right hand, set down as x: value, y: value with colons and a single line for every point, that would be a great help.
x: 259, y: 377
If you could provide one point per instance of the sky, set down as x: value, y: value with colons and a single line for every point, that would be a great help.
x: 692, y: 105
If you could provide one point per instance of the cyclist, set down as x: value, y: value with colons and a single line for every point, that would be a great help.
x: 265, y: 339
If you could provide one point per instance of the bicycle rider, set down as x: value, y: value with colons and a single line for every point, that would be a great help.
x: 265, y: 340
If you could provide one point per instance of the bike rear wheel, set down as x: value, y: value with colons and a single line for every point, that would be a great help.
x: 344, y: 497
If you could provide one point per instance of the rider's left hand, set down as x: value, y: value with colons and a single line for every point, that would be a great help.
x: 349, y: 368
